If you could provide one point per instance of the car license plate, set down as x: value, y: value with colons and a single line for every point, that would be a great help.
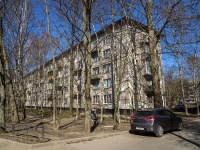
x: 138, y: 128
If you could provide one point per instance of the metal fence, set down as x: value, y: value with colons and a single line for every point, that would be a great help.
x: 35, y: 132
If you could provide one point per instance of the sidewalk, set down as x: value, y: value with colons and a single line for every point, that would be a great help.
x: 13, y: 145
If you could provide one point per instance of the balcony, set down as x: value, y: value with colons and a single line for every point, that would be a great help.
x: 148, y: 90
x: 95, y: 49
x: 77, y: 69
x: 79, y: 93
x: 148, y: 76
x: 50, y: 78
x: 96, y: 77
x: 95, y: 88
x: 143, y: 42
x: 59, y: 85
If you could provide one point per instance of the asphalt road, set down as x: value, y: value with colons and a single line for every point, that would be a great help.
x: 170, y: 141
x: 183, y: 140
x: 188, y: 139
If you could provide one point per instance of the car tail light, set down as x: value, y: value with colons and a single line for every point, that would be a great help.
x: 150, y: 118
x: 133, y: 118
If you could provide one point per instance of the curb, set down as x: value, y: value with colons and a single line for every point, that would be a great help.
x: 68, y: 141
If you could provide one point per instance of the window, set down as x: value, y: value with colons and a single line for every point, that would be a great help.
x: 80, y: 65
x: 66, y: 80
x: 65, y: 89
x: 146, y: 48
x: 79, y: 87
x: 78, y: 75
x: 95, y: 58
x: 96, y: 71
x: 106, y: 41
x: 107, y: 83
x: 106, y: 53
x: 50, y: 73
x: 96, y: 99
x: 95, y: 84
x: 66, y: 69
x: 107, y: 98
x: 149, y: 99
x: 106, y: 68
x: 94, y: 43
x: 147, y: 67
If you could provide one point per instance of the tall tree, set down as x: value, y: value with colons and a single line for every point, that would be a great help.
x: 87, y: 11
x: 2, y: 74
x: 154, y: 55
x: 54, y: 68
x: 69, y: 11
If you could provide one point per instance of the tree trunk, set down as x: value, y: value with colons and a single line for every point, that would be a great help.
x: 154, y: 57
x: 15, y: 115
x: 2, y: 82
x: 54, y: 71
x: 87, y: 6
x: 71, y: 77
x: 182, y: 87
x: 194, y: 80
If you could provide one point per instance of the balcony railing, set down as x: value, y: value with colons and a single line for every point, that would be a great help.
x: 95, y: 76
x: 50, y: 78
x: 77, y: 93
x: 148, y: 90
x: 147, y: 76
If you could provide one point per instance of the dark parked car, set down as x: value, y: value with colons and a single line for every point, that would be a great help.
x: 156, y: 121
x: 179, y: 107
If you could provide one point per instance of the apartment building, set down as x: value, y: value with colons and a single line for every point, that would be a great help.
x: 121, y: 56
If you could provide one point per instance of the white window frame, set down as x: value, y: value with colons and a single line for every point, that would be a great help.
x: 147, y: 67
x: 107, y: 98
x: 95, y: 58
x: 96, y: 71
x: 96, y: 99
x: 95, y: 84
x: 107, y: 68
x: 106, y: 41
x: 107, y: 53
x: 107, y: 83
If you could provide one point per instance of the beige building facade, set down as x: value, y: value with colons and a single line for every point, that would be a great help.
x: 119, y: 54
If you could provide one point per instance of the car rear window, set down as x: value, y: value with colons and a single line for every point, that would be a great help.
x: 143, y: 113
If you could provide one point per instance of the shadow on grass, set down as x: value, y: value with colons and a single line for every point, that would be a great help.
x: 65, y: 126
x: 96, y: 123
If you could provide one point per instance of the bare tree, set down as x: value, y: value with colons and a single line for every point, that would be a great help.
x: 69, y: 11
x: 54, y: 71
x: 87, y: 10
x: 2, y: 74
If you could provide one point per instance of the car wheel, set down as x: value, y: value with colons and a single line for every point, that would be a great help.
x: 180, y: 126
x: 159, y: 131
x: 136, y: 132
